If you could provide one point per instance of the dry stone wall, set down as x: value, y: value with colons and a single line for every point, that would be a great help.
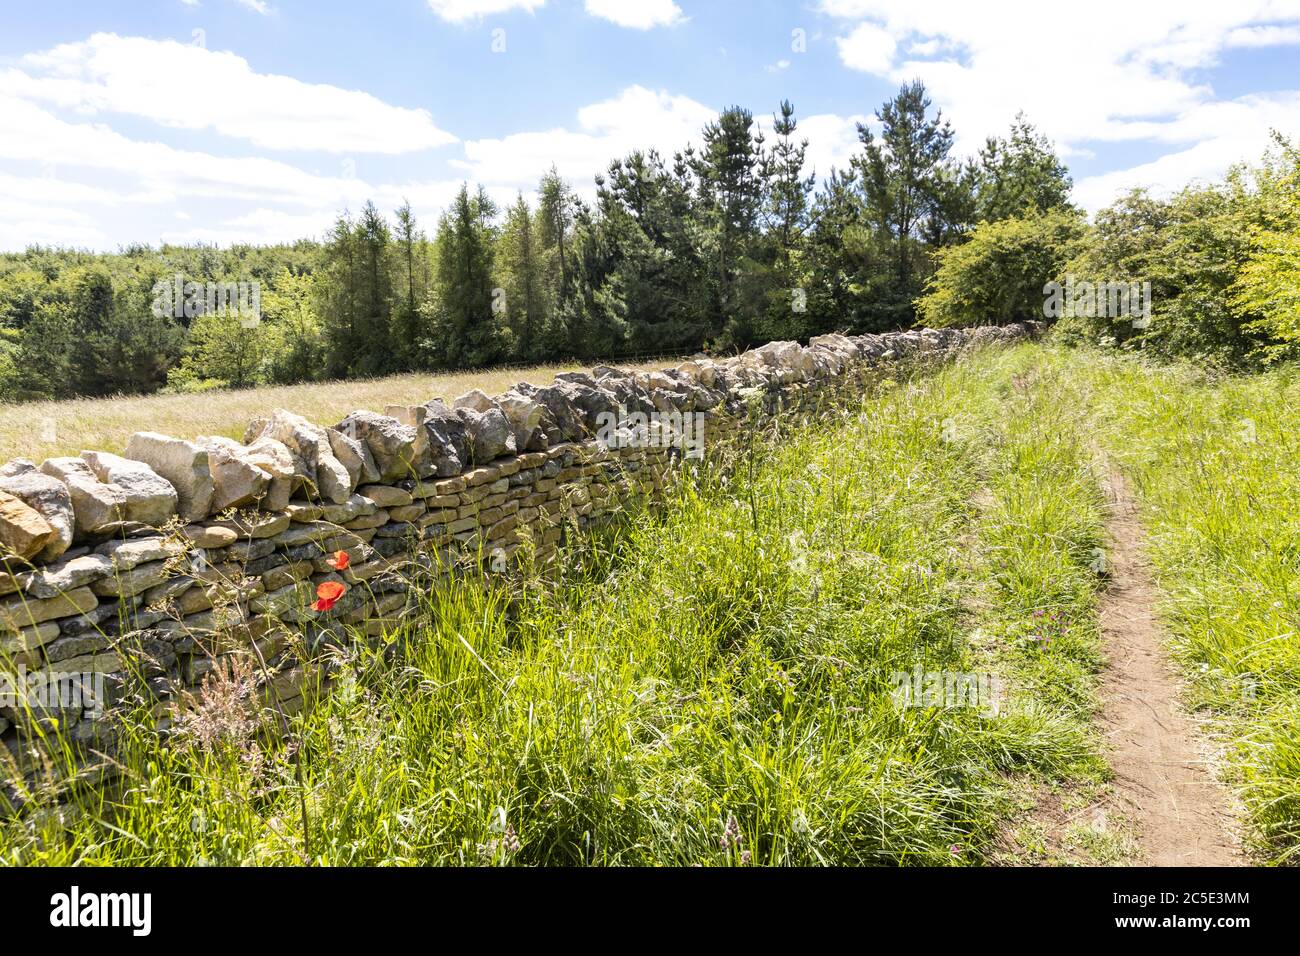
x: 141, y: 573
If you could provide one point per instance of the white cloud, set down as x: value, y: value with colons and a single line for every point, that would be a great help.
x: 43, y: 209
x: 832, y: 141
x: 637, y: 14
x: 262, y: 226
x: 257, y: 6
x: 1105, y: 71
x: 1263, y: 36
x: 868, y: 48
x: 637, y: 118
x: 1215, y: 136
x: 91, y: 170
x: 28, y: 133
x: 187, y: 87
x: 216, y: 198
x: 265, y: 225
x: 460, y: 11
x: 51, y: 187
x: 26, y: 224
x: 70, y: 177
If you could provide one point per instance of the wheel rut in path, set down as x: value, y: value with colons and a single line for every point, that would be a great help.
x: 1163, y: 781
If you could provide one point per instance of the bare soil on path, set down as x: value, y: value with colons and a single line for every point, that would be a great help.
x: 1164, y: 781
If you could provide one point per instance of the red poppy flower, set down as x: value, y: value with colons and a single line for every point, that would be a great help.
x: 340, y: 561
x: 327, y: 595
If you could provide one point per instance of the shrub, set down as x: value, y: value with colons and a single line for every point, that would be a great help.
x: 998, y: 275
x: 1268, y: 286
x: 1220, y: 259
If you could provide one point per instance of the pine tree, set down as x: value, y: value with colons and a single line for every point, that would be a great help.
x: 647, y: 270
x: 908, y: 186
x: 522, y: 278
x: 729, y: 171
x: 788, y: 190
x: 848, y: 263
x: 592, y: 315
x: 787, y: 193
x: 410, y: 287
x: 374, y: 349
x: 1019, y: 173
x: 469, y: 330
x: 337, y: 299
x: 119, y: 345
x: 557, y: 209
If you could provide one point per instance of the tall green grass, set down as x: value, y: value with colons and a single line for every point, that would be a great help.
x: 708, y: 685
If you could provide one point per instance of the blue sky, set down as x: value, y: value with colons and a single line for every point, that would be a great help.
x: 258, y: 120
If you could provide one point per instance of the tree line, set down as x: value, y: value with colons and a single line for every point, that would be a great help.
x: 1218, y: 263
x: 727, y: 243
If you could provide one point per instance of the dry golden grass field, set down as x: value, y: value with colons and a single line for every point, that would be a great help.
x: 40, y: 430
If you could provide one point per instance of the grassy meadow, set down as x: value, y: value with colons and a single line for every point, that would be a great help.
x: 716, y: 682
x: 40, y: 430
x: 713, y: 684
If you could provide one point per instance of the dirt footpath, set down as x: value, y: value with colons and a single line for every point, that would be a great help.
x: 1163, y: 782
